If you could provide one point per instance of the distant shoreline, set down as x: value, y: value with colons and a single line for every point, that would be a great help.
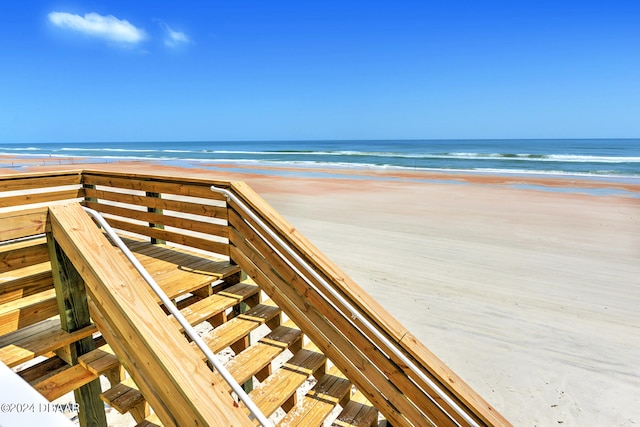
x: 622, y: 186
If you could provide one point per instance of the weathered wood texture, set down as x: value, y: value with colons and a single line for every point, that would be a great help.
x: 257, y: 257
x: 153, y: 352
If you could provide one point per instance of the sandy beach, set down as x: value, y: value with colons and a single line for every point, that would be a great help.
x: 530, y: 296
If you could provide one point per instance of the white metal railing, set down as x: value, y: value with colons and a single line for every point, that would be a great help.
x: 355, y: 313
x: 211, y: 357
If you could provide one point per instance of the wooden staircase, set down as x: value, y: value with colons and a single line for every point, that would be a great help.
x: 298, y: 351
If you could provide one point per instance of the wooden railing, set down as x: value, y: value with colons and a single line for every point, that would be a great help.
x: 399, y: 392
x: 187, y: 212
x: 172, y: 377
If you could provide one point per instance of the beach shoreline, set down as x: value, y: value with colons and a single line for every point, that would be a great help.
x: 529, y: 295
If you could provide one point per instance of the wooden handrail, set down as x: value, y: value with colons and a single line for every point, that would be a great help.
x: 152, y: 350
x: 465, y: 396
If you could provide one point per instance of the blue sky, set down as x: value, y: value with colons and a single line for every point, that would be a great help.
x: 255, y: 70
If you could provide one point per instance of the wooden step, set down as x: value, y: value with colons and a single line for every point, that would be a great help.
x: 103, y: 361
x: 240, y: 326
x: 151, y: 421
x: 25, y: 281
x: 28, y: 310
x: 358, y: 412
x: 35, y: 340
x: 330, y: 391
x: 23, y: 253
x: 126, y: 398
x: 280, y: 387
x: 213, y: 305
x: 256, y: 360
x: 179, y: 271
x: 94, y: 364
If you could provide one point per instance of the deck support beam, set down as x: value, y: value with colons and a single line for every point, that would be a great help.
x: 74, y: 315
x: 158, y: 211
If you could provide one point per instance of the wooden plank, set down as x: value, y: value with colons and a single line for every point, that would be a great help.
x: 70, y: 379
x: 430, y: 403
x: 156, y: 184
x: 27, y: 311
x: 255, y: 358
x: 182, y: 239
x: 52, y: 196
x: 72, y: 304
x: 24, y: 282
x: 358, y: 412
x: 230, y: 332
x: 152, y: 202
x: 213, y: 305
x: 164, y: 219
x: 279, y: 387
x: 432, y: 366
x: 354, y: 366
x: 39, y: 180
x: 317, y: 404
x: 38, y: 339
x: 25, y: 223
x: 23, y: 254
x: 153, y: 351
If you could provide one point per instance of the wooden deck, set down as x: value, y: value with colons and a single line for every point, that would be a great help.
x: 72, y: 310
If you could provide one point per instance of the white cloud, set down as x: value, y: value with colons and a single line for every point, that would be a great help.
x: 173, y: 38
x: 107, y: 27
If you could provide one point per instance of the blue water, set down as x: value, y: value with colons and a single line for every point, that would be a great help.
x: 597, y: 157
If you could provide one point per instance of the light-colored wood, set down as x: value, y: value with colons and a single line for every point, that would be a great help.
x: 431, y: 365
x: 170, y: 236
x: 164, y: 219
x: 279, y: 387
x: 179, y: 271
x: 26, y: 311
x: 260, y: 355
x: 358, y: 412
x: 64, y: 382
x: 156, y: 184
x: 213, y: 305
x: 125, y: 397
x: 71, y: 299
x: 240, y: 326
x: 25, y: 281
x: 29, y: 199
x: 23, y: 254
x: 355, y: 366
x: 30, y: 181
x: 152, y: 202
x: 318, y: 403
x: 25, y: 223
x: 413, y: 400
x: 153, y: 349
x: 38, y: 339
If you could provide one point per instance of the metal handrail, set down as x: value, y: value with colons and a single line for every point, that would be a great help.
x: 355, y: 314
x: 211, y: 357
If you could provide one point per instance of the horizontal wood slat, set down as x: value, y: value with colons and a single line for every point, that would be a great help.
x: 157, y: 203
x: 154, y: 185
x: 40, y: 180
x: 23, y: 254
x: 29, y: 199
x: 169, y: 236
x: 162, y: 219
x: 349, y: 339
x: 25, y: 223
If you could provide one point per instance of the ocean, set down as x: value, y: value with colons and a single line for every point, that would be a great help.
x: 587, y: 157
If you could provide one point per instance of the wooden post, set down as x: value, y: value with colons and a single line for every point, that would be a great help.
x: 90, y: 199
x: 158, y: 211
x: 74, y: 314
